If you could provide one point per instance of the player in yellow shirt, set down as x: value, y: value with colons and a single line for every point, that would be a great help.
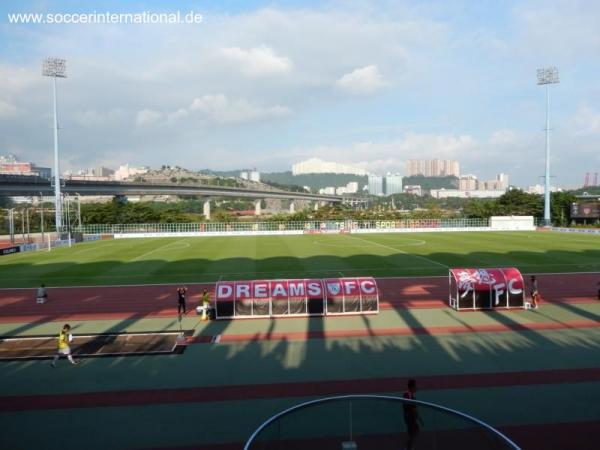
x: 64, y: 339
x: 205, y: 305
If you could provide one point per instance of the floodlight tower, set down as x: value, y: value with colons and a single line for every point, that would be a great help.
x: 547, y: 76
x: 56, y: 68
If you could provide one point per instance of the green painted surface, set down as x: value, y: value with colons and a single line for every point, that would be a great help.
x: 224, y: 422
x: 298, y: 361
x: 387, y: 319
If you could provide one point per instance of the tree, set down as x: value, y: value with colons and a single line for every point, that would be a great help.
x: 560, y: 207
x: 515, y: 202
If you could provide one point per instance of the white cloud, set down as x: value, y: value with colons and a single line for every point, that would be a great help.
x: 503, y: 137
x: 94, y: 118
x: 258, y: 61
x: 7, y: 110
x: 219, y: 108
x: 364, y: 80
x: 586, y: 121
x: 390, y: 156
x: 181, y: 113
x: 147, y: 117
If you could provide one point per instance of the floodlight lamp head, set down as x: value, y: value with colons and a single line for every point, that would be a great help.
x: 55, y: 67
x: 548, y: 75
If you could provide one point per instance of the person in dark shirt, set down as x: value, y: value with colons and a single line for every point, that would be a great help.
x: 181, y: 293
x: 535, y: 295
x: 411, y: 415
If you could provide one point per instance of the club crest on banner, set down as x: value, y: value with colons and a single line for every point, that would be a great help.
x: 466, y: 280
x: 334, y: 288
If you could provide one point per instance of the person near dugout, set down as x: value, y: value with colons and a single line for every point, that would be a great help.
x: 181, y: 294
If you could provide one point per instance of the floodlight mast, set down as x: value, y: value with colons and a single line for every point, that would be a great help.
x: 56, y: 68
x: 547, y: 76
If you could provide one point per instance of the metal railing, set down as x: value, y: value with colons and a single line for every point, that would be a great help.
x: 375, y: 421
x: 316, y: 225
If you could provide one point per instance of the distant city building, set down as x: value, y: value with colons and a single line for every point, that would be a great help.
x: 102, y: 171
x: 330, y: 190
x: 447, y: 193
x: 432, y: 167
x: 340, y: 190
x: 124, y: 172
x: 10, y: 165
x: 500, y: 183
x: 250, y: 175
x: 413, y: 189
x: 393, y: 184
x: 539, y: 189
x: 467, y: 183
x: 375, y: 185
x: 255, y: 176
x: 44, y: 172
x: 316, y: 165
x: 352, y: 187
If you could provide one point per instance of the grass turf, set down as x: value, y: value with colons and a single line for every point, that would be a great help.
x: 172, y: 260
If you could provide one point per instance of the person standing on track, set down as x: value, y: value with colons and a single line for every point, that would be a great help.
x: 535, y: 295
x: 411, y: 415
x: 64, y: 339
x: 181, y: 293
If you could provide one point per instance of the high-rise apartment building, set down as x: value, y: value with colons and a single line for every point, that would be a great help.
x: 500, y: 183
x: 467, y: 183
x: 393, y: 184
x: 375, y: 185
x: 432, y: 167
x: 251, y: 175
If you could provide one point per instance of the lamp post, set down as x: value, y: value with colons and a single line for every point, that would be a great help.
x: 56, y: 68
x: 547, y: 76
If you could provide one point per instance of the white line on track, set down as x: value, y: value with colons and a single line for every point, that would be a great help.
x: 401, y: 251
x: 76, y: 336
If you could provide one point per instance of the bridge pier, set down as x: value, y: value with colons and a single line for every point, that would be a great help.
x: 206, y: 209
x: 292, y: 208
x: 316, y: 207
x: 257, y: 207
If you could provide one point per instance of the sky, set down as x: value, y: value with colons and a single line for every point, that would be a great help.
x: 267, y: 84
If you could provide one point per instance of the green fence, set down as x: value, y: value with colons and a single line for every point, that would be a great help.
x: 327, y: 225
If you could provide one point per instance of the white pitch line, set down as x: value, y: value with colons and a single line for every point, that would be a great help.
x: 401, y: 251
x: 157, y: 249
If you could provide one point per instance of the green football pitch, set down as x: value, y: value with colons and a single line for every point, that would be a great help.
x: 192, y: 259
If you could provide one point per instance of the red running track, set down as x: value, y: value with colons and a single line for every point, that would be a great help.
x: 135, y: 302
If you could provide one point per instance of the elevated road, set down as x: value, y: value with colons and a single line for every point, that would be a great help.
x: 12, y: 186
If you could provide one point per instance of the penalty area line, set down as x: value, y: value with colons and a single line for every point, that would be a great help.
x: 402, y: 251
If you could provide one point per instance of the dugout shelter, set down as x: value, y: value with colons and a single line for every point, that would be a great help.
x: 296, y: 297
x: 498, y: 288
